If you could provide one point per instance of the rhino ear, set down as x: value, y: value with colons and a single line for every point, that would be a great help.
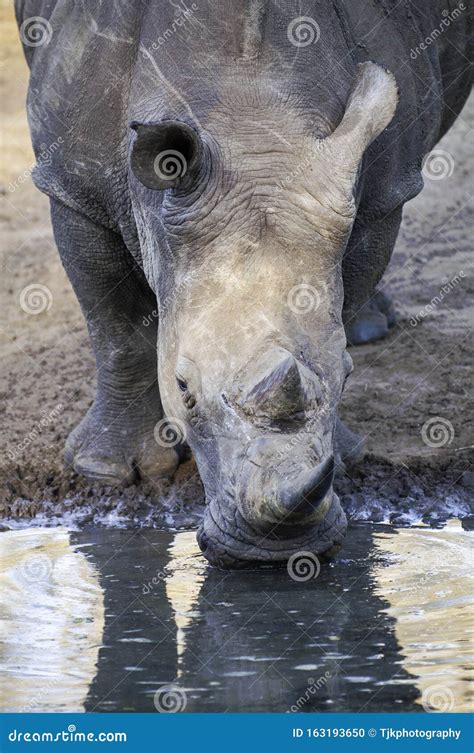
x: 370, y: 108
x: 165, y: 153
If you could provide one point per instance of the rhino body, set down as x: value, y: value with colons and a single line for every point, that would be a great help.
x: 227, y: 183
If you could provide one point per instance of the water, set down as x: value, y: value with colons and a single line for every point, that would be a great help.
x: 102, y: 619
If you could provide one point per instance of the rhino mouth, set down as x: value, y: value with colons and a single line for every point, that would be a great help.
x: 237, y: 545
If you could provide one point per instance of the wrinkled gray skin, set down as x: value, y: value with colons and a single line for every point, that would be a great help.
x: 260, y: 252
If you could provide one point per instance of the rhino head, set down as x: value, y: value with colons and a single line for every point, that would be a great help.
x: 243, y: 224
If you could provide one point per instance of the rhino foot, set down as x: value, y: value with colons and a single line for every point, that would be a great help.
x: 372, y: 322
x: 118, y: 450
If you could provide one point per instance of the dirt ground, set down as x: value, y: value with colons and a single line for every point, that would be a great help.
x: 421, y: 373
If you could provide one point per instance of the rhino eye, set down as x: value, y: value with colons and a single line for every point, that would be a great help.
x: 182, y: 384
x: 188, y: 380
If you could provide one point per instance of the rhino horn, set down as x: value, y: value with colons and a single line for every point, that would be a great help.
x: 277, y: 386
x: 303, y: 498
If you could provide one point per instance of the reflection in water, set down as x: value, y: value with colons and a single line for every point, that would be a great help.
x: 236, y: 641
x: 52, y: 622
x: 185, y: 574
x: 268, y: 643
x: 254, y: 641
x: 427, y: 579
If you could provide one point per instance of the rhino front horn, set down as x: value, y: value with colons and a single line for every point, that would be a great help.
x: 278, y: 386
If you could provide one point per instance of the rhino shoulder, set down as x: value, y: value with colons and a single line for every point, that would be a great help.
x: 77, y: 104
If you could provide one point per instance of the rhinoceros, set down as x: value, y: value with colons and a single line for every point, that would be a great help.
x: 227, y: 182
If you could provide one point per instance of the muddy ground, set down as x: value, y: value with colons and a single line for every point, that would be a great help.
x: 422, y: 371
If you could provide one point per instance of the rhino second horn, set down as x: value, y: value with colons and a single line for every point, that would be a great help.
x: 276, y: 387
x: 304, y: 497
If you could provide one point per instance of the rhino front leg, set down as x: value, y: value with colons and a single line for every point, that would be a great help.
x: 368, y: 313
x: 115, y: 441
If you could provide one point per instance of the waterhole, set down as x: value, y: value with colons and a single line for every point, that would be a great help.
x: 126, y: 620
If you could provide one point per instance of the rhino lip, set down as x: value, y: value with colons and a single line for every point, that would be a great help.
x: 240, y: 546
